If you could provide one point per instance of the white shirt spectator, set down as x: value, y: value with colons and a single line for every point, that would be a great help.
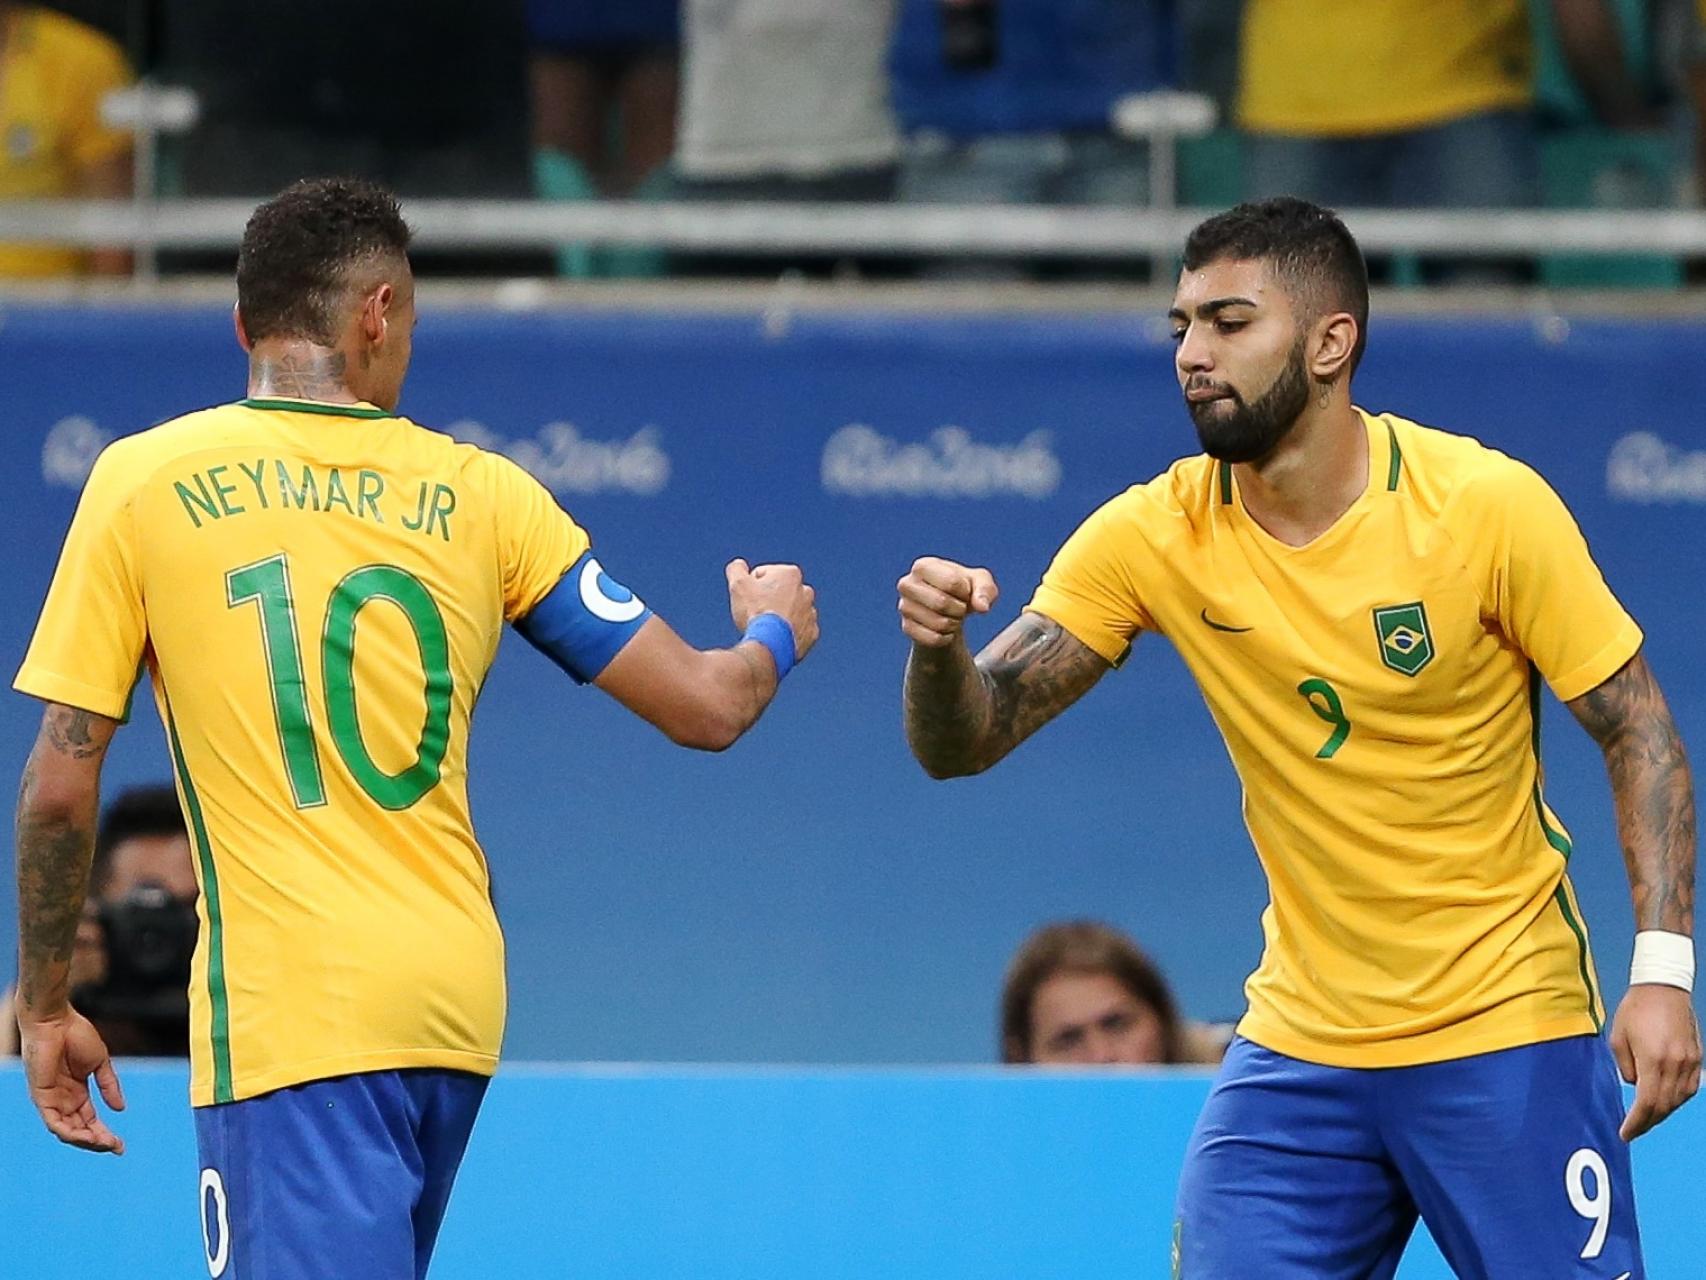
x: 790, y: 88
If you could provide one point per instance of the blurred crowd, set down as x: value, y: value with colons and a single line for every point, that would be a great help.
x: 1407, y: 103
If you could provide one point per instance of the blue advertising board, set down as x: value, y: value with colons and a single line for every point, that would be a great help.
x: 810, y: 896
x: 728, y: 1173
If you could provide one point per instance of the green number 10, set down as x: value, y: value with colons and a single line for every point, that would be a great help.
x: 267, y: 583
x: 1324, y: 702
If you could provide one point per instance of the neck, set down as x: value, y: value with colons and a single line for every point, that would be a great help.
x: 295, y: 369
x: 1314, y: 475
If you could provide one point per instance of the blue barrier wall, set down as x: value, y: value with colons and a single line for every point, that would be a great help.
x: 727, y: 1174
x: 810, y: 896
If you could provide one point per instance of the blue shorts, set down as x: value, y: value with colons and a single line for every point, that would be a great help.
x: 345, y: 1177
x: 1511, y: 1158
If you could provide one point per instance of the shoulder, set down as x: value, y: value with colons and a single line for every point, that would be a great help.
x: 1173, y: 504
x: 1451, y: 476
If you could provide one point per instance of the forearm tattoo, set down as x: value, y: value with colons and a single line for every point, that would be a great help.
x: 54, y: 847
x: 964, y: 715
x: 1653, y: 790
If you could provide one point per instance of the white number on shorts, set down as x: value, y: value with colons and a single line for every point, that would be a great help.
x: 218, y: 1254
x: 1595, y: 1205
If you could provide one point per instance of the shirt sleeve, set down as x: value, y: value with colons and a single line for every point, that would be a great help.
x: 100, y: 68
x: 1545, y: 591
x: 90, y: 638
x: 1091, y: 587
x: 538, y: 542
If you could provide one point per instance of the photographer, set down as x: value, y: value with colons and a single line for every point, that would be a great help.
x: 131, y: 967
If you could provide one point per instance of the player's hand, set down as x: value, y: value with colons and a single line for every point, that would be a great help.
x: 936, y: 597
x: 60, y: 1054
x: 1657, y: 1042
x: 774, y: 588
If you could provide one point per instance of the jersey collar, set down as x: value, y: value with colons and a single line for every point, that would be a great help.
x: 284, y: 404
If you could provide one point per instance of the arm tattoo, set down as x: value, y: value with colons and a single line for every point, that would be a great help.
x: 1653, y: 790
x: 962, y: 716
x: 55, y: 841
x: 312, y: 375
x: 71, y: 733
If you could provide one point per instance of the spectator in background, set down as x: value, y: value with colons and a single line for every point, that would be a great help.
x: 786, y: 100
x: 605, y: 87
x: 1413, y: 102
x: 1010, y: 101
x: 130, y: 971
x: 1083, y: 993
x: 54, y: 72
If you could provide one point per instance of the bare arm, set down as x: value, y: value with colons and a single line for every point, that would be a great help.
x: 1653, y: 790
x: 705, y: 699
x: 963, y: 715
x: 58, y: 807
x: 1592, y: 45
x: 1655, y: 1036
x: 58, y: 804
x: 708, y: 698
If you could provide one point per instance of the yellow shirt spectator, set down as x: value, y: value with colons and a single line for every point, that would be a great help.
x: 54, y: 72
x: 1342, y: 68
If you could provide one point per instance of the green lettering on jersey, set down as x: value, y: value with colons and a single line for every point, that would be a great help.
x: 200, y: 498
x: 335, y: 494
x: 257, y: 477
x: 370, y: 487
x: 307, y: 498
x: 224, y: 490
x: 443, y: 503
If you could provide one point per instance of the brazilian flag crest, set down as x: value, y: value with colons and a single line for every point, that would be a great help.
x: 1406, y: 644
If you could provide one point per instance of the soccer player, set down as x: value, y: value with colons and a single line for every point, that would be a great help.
x: 317, y: 588
x: 1369, y: 607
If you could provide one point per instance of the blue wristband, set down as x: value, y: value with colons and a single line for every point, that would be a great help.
x: 773, y: 632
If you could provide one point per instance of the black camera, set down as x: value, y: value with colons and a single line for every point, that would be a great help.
x: 143, y: 1005
x: 969, y: 40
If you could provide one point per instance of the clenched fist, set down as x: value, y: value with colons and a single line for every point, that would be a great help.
x: 774, y: 588
x: 936, y: 597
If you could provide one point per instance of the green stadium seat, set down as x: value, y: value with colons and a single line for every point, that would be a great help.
x: 1599, y: 169
x: 557, y: 176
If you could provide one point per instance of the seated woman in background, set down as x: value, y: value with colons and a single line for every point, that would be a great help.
x: 1082, y: 993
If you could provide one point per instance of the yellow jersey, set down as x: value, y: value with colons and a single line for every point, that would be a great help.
x: 318, y: 592
x: 1378, y: 693
x: 1346, y: 67
x: 53, y: 74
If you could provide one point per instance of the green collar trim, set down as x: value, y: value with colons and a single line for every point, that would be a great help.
x: 315, y: 406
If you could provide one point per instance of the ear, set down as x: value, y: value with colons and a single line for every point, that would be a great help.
x: 241, y: 328
x: 1332, y: 342
x: 1013, y: 1051
x: 374, y: 324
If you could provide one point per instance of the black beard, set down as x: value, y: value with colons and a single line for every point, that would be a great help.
x: 1251, y: 431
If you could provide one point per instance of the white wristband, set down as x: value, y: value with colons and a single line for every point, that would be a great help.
x: 1663, y: 957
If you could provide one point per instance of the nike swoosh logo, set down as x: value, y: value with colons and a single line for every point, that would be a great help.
x: 1625, y: 1275
x: 1221, y: 626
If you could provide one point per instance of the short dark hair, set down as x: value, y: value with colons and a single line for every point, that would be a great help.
x: 1307, y: 245
x: 298, y: 249
x: 1082, y: 946
x: 139, y: 811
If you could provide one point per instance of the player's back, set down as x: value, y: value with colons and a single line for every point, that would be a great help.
x: 324, y: 589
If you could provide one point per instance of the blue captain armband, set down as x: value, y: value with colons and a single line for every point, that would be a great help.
x: 585, y: 620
